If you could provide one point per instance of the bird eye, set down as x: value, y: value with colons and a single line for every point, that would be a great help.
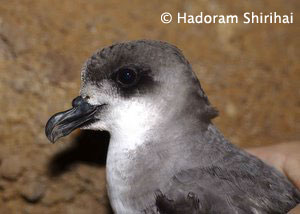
x: 127, y: 76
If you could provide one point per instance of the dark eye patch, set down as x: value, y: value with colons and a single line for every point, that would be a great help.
x: 132, y: 80
x: 127, y: 76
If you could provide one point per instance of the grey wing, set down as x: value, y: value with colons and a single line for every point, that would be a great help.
x: 187, y: 195
x: 215, y: 190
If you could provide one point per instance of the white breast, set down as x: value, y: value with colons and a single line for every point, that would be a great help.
x: 133, y: 125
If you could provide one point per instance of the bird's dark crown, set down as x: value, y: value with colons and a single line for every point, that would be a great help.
x: 157, y: 63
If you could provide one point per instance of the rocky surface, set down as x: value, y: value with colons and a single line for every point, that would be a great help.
x: 11, y: 168
x: 250, y: 73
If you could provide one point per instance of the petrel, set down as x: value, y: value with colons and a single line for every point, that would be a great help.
x: 165, y: 155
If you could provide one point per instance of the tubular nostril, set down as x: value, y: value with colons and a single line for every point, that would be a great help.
x: 77, y: 101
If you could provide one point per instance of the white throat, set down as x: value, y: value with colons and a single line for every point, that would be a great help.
x: 133, y: 122
x: 133, y: 125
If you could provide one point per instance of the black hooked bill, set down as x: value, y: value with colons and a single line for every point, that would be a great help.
x: 63, y: 123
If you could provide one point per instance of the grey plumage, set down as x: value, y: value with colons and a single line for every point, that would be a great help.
x: 165, y: 154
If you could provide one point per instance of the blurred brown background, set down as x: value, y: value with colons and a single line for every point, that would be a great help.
x: 251, y: 73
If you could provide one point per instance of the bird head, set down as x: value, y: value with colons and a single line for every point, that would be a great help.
x: 130, y: 86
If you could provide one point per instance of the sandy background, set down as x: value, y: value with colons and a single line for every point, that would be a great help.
x: 251, y: 73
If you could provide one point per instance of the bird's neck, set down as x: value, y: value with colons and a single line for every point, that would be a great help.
x: 162, y: 152
x: 144, y: 132
x: 148, y: 144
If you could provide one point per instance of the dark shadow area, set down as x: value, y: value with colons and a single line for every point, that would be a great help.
x: 89, y: 147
